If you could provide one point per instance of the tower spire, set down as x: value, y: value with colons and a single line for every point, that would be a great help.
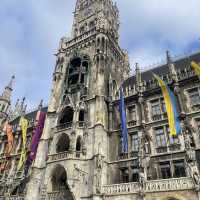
x: 40, y: 105
x: 10, y: 84
x: 8, y: 89
x: 5, y: 100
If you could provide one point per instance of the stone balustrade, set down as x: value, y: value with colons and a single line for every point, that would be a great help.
x: 120, y: 188
x: 80, y: 124
x: 64, y: 126
x: 64, y: 155
x: 80, y: 38
x: 54, y: 195
x: 150, y: 186
x: 12, y: 197
x: 16, y: 198
x: 169, y: 185
x: 130, y: 155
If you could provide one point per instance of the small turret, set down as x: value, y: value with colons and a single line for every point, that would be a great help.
x: 171, y: 66
x: 40, y: 105
x: 5, y: 100
x: 138, y: 78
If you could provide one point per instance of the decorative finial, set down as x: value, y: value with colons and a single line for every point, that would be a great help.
x: 169, y: 60
x: 40, y: 105
x: 17, y: 103
x: 137, y: 66
x: 10, y: 85
x: 25, y: 107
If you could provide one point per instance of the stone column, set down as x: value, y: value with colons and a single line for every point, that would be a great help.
x: 38, y: 170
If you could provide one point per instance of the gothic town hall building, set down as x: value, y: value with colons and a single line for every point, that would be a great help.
x: 79, y: 154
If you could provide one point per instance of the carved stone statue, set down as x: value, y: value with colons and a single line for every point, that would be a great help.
x: 97, y: 178
x: 191, y: 155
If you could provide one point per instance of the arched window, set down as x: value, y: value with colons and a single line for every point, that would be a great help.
x: 67, y: 116
x: 59, y: 184
x: 78, y: 144
x: 63, y: 143
x: 81, y: 116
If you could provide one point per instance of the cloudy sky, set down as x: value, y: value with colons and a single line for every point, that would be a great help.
x: 30, y: 32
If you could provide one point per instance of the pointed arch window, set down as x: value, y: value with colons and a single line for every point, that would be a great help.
x: 67, y: 116
x: 81, y: 116
x: 63, y: 144
x: 78, y: 144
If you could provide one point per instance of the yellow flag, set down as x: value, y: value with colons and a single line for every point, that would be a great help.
x: 171, y: 107
x: 196, y: 67
x: 24, y: 126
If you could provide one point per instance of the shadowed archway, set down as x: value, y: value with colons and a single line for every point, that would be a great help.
x: 59, y: 184
x: 63, y: 143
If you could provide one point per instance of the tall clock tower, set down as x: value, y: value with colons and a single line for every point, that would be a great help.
x: 73, y: 152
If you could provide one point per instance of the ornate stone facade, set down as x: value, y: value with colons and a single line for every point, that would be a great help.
x: 79, y: 155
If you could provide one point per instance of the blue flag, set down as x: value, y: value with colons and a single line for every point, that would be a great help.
x: 124, y: 130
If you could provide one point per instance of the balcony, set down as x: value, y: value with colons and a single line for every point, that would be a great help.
x: 65, y: 155
x: 132, y: 123
x: 161, y: 149
x: 81, y: 124
x: 55, y: 195
x: 169, y: 185
x: 175, y: 147
x: 150, y: 186
x: 124, y: 156
x: 64, y: 126
x: 16, y: 198
x: 121, y: 188
x: 157, y: 117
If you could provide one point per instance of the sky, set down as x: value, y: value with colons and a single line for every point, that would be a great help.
x: 30, y: 34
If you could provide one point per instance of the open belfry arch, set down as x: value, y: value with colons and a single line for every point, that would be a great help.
x: 80, y: 154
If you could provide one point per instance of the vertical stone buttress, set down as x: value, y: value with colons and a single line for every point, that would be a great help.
x: 35, y: 185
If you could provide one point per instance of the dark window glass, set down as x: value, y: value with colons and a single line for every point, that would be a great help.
x: 135, y: 177
x: 131, y: 113
x: 135, y: 142
x: 125, y: 176
x: 81, y: 116
x: 156, y: 109
x: 160, y: 137
x: 165, y: 170
x: 179, y: 168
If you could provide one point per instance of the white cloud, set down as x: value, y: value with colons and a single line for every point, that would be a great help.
x: 30, y: 33
x: 166, y: 24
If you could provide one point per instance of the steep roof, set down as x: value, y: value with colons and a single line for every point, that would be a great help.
x: 29, y: 116
x: 180, y: 64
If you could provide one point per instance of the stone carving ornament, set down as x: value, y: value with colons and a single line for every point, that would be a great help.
x: 191, y: 155
x: 99, y: 168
